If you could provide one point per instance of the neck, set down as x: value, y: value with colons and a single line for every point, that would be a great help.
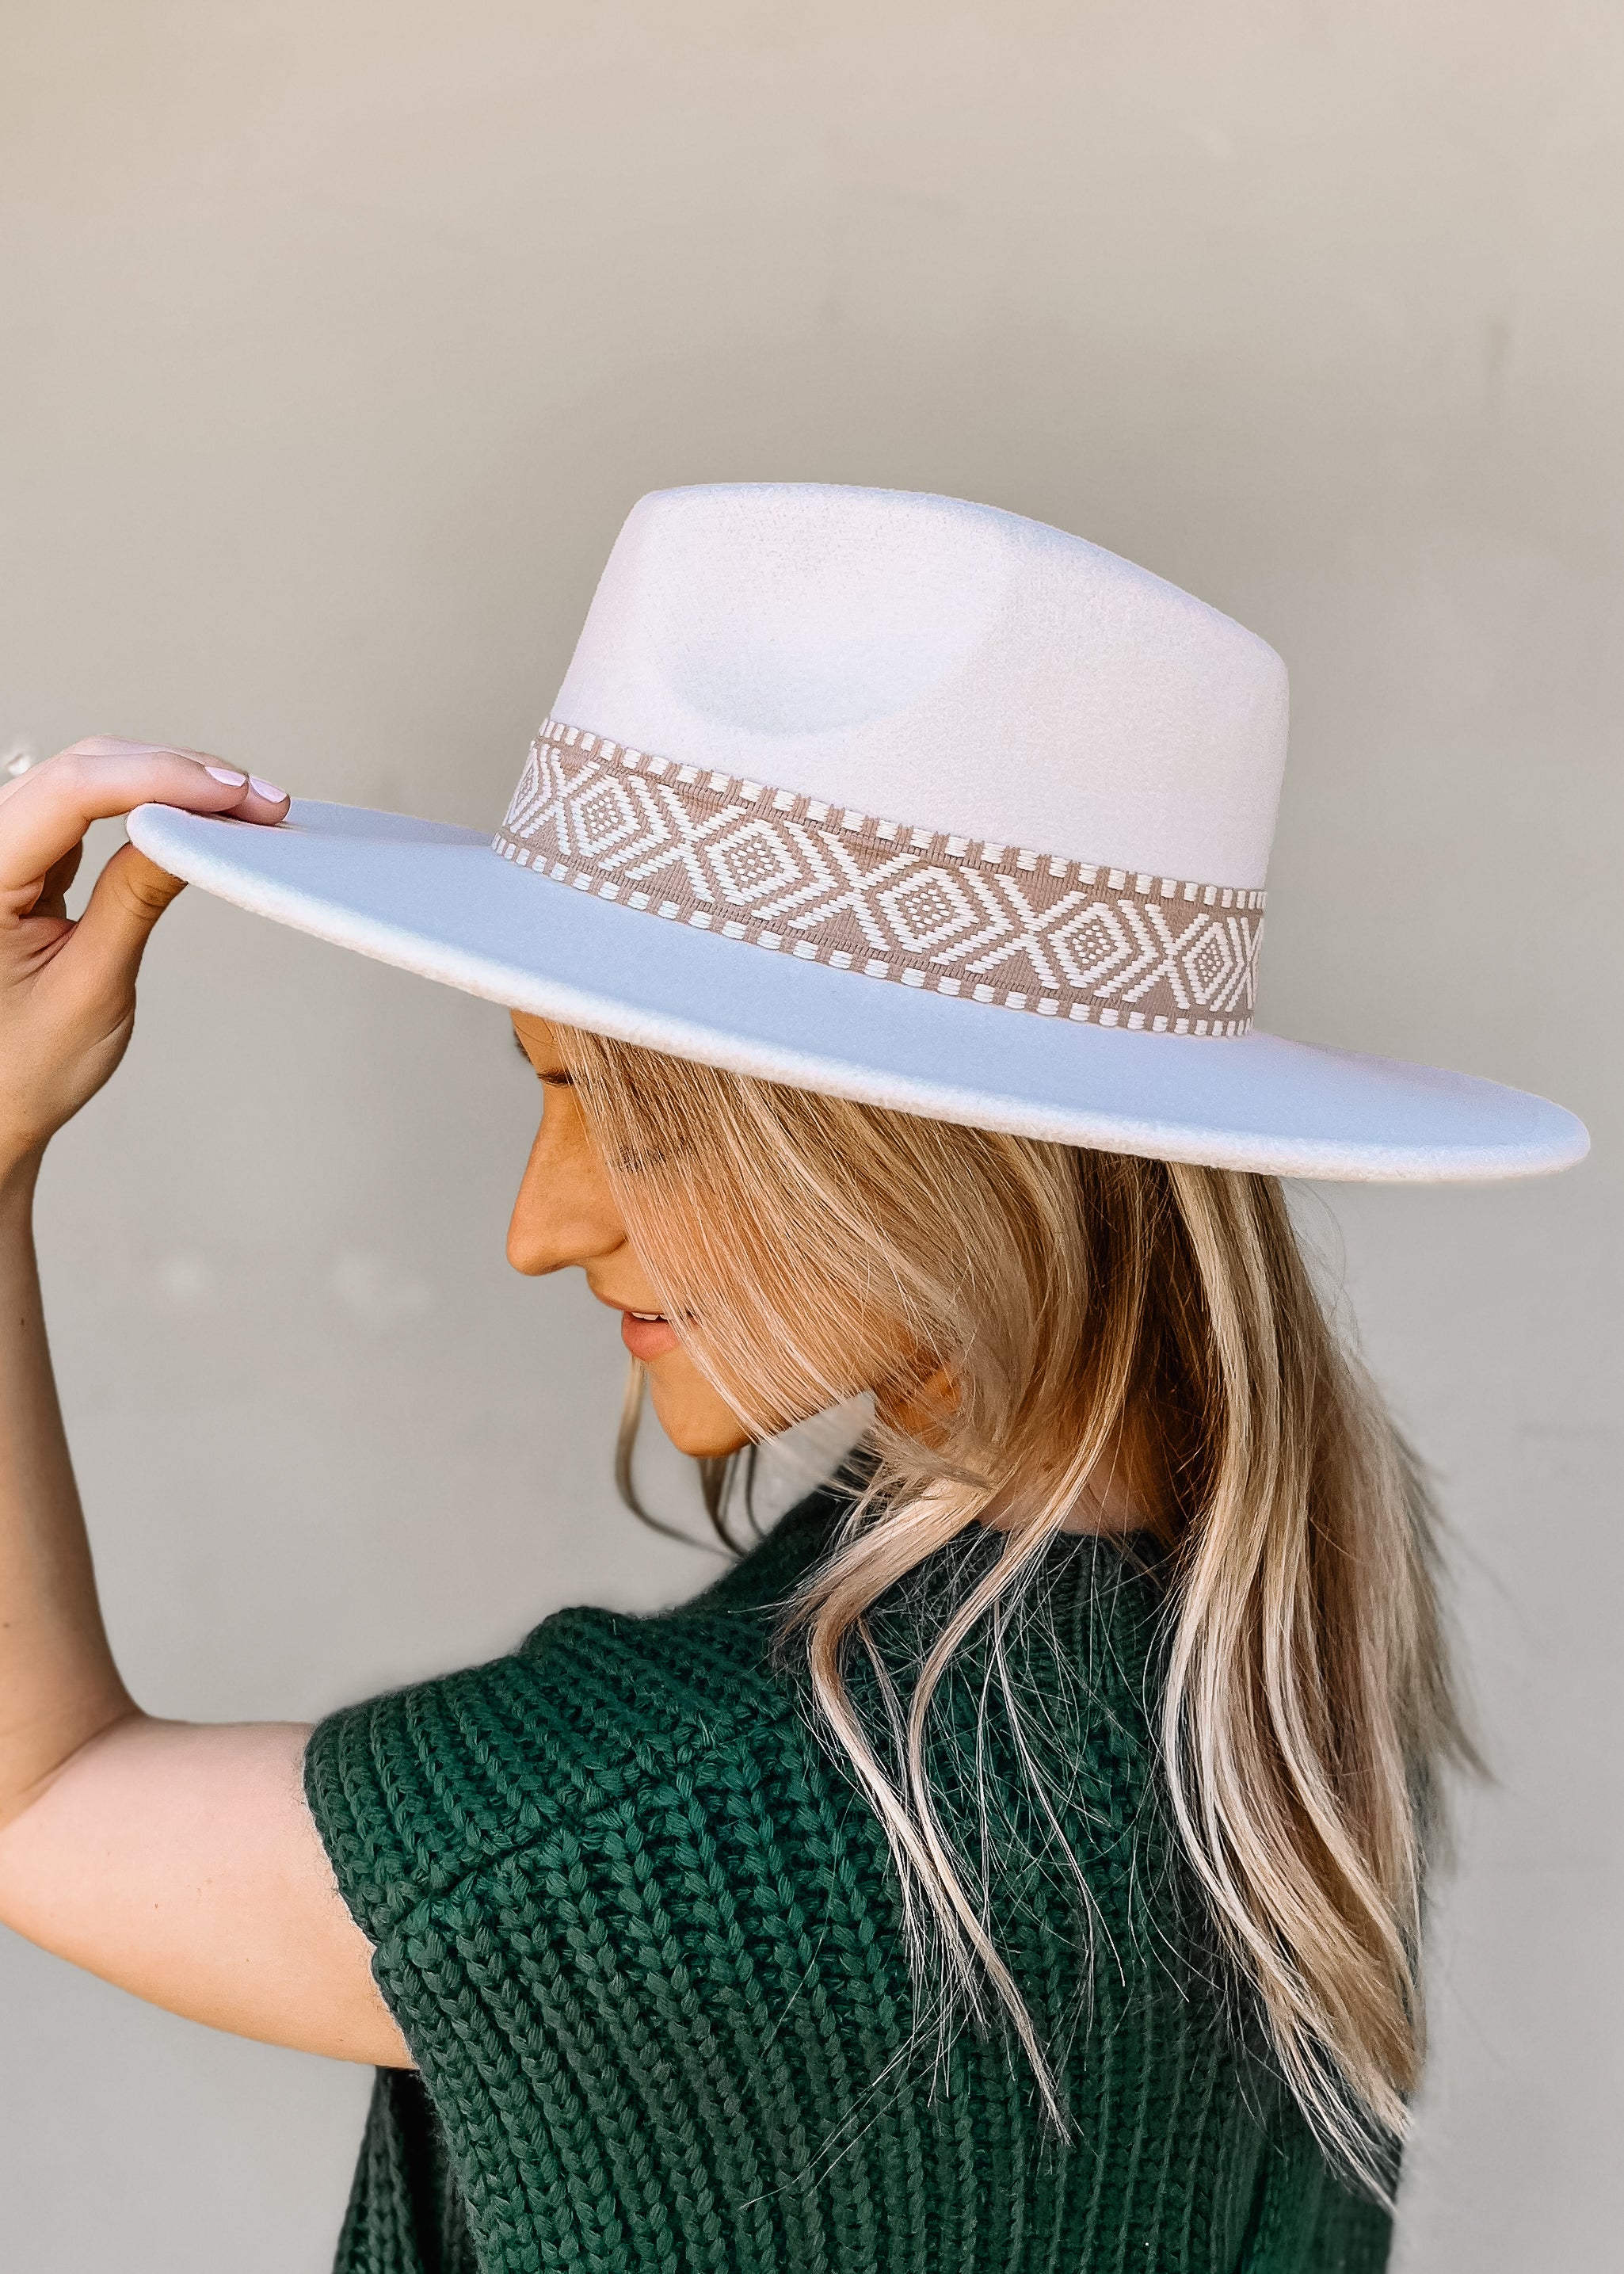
x: 1118, y: 1495
x: 1123, y: 1492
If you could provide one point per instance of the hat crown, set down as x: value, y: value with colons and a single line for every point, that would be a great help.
x: 952, y: 666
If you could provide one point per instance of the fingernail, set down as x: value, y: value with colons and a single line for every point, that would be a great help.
x: 231, y: 779
x: 269, y: 791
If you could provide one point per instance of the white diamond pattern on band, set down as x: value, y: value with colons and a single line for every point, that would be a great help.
x: 992, y: 923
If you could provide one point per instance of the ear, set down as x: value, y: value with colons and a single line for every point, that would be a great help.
x: 919, y: 1405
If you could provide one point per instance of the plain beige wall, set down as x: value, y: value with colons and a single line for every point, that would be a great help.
x: 337, y: 338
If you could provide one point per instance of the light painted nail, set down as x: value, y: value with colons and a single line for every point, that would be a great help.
x: 269, y: 791
x: 232, y: 779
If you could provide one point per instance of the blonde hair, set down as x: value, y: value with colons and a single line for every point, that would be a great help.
x: 1028, y: 1311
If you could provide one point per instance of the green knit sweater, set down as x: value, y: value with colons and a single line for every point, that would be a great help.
x: 646, y: 1941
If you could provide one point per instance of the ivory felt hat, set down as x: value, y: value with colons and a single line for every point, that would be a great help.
x: 905, y: 800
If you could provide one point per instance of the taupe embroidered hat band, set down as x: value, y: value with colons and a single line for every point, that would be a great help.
x: 1003, y: 924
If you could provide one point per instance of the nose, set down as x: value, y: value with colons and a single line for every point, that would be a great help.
x: 565, y: 1213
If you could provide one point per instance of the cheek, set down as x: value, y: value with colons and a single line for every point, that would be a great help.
x: 796, y: 1366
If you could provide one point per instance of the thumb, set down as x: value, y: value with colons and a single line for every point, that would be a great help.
x: 131, y: 894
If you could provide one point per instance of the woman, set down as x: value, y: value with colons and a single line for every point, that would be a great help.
x: 1017, y: 1858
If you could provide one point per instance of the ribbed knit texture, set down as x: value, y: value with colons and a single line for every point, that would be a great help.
x: 646, y: 1941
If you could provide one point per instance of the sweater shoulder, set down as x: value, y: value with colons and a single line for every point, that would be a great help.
x: 599, y: 1713
x: 414, y: 1790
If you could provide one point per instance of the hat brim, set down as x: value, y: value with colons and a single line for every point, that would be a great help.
x: 434, y: 899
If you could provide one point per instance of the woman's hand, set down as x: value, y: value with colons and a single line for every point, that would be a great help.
x: 67, y: 990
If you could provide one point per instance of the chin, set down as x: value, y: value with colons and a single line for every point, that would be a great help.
x: 698, y: 1425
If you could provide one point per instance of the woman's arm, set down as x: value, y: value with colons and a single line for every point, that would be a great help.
x: 177, y: 1860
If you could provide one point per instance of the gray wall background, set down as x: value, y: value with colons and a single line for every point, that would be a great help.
x: 337, y: 338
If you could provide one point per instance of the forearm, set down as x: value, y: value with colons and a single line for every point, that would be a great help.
x: 59, y: 1686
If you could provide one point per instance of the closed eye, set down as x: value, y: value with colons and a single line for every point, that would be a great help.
x: 556, y: 1078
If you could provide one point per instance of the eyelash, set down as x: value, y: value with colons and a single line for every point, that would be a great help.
x: 549, y: 1080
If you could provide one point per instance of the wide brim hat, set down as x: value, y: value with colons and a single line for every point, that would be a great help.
x: 903, y: 800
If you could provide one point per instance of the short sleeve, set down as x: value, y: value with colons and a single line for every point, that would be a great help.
x: 541, y: 1852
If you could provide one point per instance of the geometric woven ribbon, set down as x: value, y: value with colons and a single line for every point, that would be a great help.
x: 993, y: 923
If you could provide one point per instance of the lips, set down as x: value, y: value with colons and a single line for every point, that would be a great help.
x: 647, y: 1334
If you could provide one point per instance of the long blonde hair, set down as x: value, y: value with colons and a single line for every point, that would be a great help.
x: 1041, y: 1306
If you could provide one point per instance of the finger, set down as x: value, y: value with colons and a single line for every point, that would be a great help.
x: 263, y: 801
x: 54, y: 888
x: 49, y: 809
x: 131, y: 894
x: 61, y: 876
x: 112, y: 745
x: 116, y: 746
